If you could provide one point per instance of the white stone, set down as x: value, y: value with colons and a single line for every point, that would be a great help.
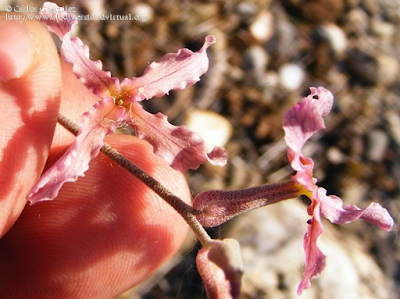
x: 335, y: 37
x: 144, y: 12
x: 256, y: 59
x: 263, y: 27
x: 213, y: 128
x: 378, y: 142
x: 291, y: 76
x: 388, y: 70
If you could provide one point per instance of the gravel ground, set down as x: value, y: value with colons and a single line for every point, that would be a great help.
x: 267, y: 55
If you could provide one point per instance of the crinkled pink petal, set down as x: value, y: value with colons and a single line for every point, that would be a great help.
x: 315, y: 259
x: 89, y: 72
x: 333, y: 210
x: 103, y: 118
x: 76, y: 52
x: 174, y: 71
x: 300, y: 123
x: 324, y: 97
x: 56, y: 19
x: 305, y: 119
x: 304, y: 170
x: 221, y: 268
x: 180, y: 147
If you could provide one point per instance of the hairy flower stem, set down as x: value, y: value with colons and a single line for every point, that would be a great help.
x: 218, y: 206
x: 186, y: 211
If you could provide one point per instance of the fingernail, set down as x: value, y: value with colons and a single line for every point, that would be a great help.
x: 16, y: 50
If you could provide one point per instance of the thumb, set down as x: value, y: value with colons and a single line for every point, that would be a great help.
x: 30, y: 84
x: 103, y: 234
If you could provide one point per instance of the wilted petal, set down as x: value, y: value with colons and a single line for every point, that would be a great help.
x: 89, y: 72
x: 56, y: 19
x: 324, y: 97
x: 315, y: 259
x: 300, y: 123
x: 333, y: 210
x: 221, y: 268
x: 76, y: 52
x: 174, y: 71
x: 218, y: 206
x: 304, y: 167
x: 305, y: 119
x: 103, y: 118
x: 180, y: 147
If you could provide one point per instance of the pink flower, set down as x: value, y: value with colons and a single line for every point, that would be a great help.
x: 119, y: 102
x: 300, y: 123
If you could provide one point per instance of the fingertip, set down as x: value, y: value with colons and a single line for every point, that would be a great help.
x: 16, y: 50
x: 28, y: 112
x: 107, y: 231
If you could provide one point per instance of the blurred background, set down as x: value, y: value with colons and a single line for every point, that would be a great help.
x: 268, y: 53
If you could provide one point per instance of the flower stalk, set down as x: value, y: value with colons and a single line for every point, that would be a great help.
x: 186, y: 211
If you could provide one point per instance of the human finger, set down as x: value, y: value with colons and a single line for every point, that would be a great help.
x: 30, y: 88
x: 102, y: 234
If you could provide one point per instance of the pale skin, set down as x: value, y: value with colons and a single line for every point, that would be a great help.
x: 102, y: 234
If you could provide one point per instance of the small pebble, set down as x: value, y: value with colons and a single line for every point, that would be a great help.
x: 388, y: 70
x: 263, y: 27
x: 214, y: 129
x: 291, y: 76
x: 357, y: 21
x: 335, y: 37
x: 143, y: 12
x: 255, y: 59
x: 384, y: 30
x: 378, y: 142
x: 335, y: 155
x: 372, y: 68
x: 393, y: 120
x: 247, y: 9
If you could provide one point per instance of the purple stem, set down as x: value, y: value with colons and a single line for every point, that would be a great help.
x: 215, y: 207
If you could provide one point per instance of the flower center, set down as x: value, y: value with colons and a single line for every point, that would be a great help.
x: 119, y: 102
x: 303, y: 191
